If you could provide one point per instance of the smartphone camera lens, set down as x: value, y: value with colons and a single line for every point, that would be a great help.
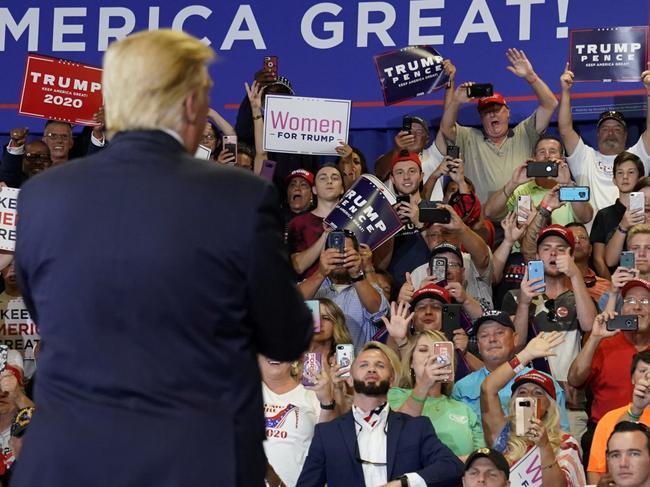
x: 628, y: 323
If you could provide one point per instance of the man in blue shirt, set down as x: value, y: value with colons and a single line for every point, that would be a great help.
x: 496, y: 336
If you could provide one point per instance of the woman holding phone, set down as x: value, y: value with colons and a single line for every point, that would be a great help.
x: 561, y: 465
x: 424, y: 388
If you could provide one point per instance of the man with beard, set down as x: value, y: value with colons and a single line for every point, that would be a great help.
x: 594, y: 168
x: 36, y: 158
x: 371, y: 445
x: 493, y: 153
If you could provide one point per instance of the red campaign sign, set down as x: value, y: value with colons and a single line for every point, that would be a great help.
x: 57, y: 89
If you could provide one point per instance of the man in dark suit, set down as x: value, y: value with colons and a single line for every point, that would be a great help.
x: 371, y: 445
x: 155, y: 279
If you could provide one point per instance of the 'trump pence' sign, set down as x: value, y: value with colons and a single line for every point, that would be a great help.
x: 8, y: 217
x: 300, y: 125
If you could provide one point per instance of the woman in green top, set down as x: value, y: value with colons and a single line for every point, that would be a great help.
x: 422, y: 392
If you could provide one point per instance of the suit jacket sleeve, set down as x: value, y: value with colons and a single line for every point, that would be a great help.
x: 442, y: 467
x: 11, y: 169
x: 314, y: 469
x: 284, y: 323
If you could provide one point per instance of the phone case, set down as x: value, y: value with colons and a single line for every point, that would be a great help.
x: 525, y: 410
x: 541, y: 169
x: 314, y: 307
x: 311, y: 368
x: 202, y: 152
x: 450, y: 319
x: 623, y: 322
x: 336, y: 240
x: 438, y: 269
x: 523, y: 202
x: 627, y: 259
x: 444, y: 352
x: 268, y: 170
x: 345, y: 356
x: 535, y: 270
x: 574, y: 193
x: 637, y: 200
x: 453, y: 151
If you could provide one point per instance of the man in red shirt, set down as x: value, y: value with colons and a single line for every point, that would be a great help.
x: 605, y: 360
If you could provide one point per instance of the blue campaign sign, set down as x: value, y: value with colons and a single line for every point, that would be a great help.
x: 326, y: 48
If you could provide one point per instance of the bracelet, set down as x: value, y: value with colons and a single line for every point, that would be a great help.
x: 257, y: 117
x: 329, y: 407
x: 635, y: 417
x: 544, y: 211
x: 533, y: 80
x: 516, y: 364
x: 620, y: 229
x: 549, y: 465
x: 417, y: 399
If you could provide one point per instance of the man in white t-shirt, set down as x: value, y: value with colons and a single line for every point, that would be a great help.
x: 591, y: 167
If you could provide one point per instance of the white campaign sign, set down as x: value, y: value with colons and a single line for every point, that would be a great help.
x: 8, y: 217
x: 300, y: 125
x: 527, y: 472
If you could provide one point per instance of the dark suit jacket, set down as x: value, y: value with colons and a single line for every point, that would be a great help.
x: 154, y: 278
x: 412, y: 447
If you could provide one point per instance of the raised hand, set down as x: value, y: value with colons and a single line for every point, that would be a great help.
x: 529, y: 290
x: 18, y: 136
x: 599, y: 327
x: 543, y: 344
x: 511, y: 232
x: 645, y: 78
x: 520, y: 65
x: 566, y: 265
x: 398, y: 324
x: 254, y: 93
x: 566, y: 80
x: 406, y: 291
x: 343, y: 149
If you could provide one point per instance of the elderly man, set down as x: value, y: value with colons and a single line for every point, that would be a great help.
x: 372, y: 445
x: 493, y: 153
x: 126, y: 345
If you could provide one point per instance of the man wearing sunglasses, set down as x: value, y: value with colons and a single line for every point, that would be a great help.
x: 36, y: 158
x: 558, y: 302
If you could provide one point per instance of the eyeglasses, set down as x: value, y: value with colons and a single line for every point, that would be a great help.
x: 454, y: 265
x: 208, y: 137
x: 633, y: 301
x: 52, y: 136
x: 551, y: 315
x: 35, y: 157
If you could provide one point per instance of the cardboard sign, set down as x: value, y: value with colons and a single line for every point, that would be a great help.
x: 300, y: 125
x: 8, y: 217
x: 527, y: 472
x: 410, y: 72
x: 367, y: 210
x: 57, y: 89
x: 609, y: 54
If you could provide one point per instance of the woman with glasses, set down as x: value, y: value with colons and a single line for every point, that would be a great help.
x: 509, y: 433
x: 211, y: 138
x: 425, y: 385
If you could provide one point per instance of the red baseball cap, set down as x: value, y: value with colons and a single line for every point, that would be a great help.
x: 635, y: 283
x: 536, y: 377
x: 489, y: 100
x: 558, y: 231
x: 431, y: 291
x: 301, y: 173
x: 405, y: 156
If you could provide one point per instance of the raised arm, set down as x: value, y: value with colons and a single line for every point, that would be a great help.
x: 581, y: 366
x: 522, y: 67
x: 645, y: 79
x: 616, y: 243
x: 564, y: 118
x: 254, y: 93
x: 511, y: 234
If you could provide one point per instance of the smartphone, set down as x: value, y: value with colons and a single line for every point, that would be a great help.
x: 311, y: 368
x: 637, y: 200
x: 336, y: 240
x: 444, y: 351
x: 268, y: 169
x: 547, y: 169
x: 450, y: 319
x: 271, y: 64
x: 230, y: 144
x: 453, y: 151
x: 525, y: 410
x: 403, y: 198
x: 202, y: 152
x: 627, y: 259
x: 314, y: 307
x: 344, y: 356
x: 438, y: 269
x: 430, y: 213
x: 623, y: 322
x: 523, y: 203
x: 535, y: 270
x: 407, y: 123
x: 574, y: 193
x: 4, y: 355
x: 480, y: 90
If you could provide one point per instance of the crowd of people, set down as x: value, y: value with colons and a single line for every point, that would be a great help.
x: 406, y: 411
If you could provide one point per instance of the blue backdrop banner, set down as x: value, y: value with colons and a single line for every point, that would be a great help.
x: 326, y: 48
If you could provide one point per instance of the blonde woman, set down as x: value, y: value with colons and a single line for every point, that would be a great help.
x: 423, y: 392
x: 561, y: 465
